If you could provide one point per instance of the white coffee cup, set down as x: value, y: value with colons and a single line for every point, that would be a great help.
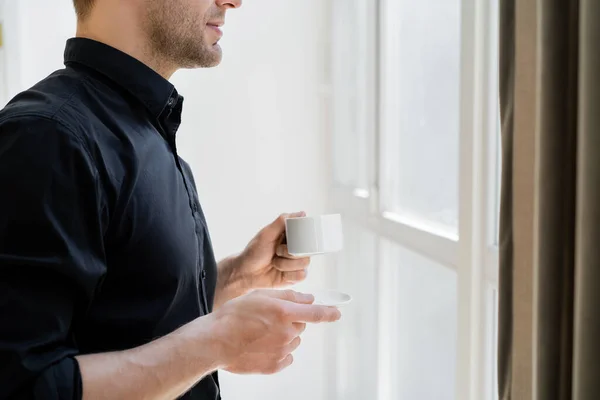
x: 309, y: 236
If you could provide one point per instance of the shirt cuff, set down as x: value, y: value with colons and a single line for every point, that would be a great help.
x: 61, y: 381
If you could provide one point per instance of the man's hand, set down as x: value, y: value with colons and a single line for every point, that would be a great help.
x: 258, y: 332
x: 253, y: 334
x: 264, y: 264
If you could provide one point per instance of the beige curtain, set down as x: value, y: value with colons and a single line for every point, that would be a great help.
x: 549, y: 290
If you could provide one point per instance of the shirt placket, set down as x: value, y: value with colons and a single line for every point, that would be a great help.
x: 170, y: 124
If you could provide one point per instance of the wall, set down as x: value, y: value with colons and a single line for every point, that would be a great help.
x: 35, y: 34
x: 254, y: 132
x: 259, y: 122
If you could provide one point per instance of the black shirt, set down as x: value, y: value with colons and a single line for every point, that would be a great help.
x: 103, y: 244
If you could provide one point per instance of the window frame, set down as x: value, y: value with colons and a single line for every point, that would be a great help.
x: 473, y: 253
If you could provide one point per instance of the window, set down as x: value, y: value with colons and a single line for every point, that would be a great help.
x: 353, y: 65
x: 420, y: 111
x: 416, y: 152
x: 418, y: 311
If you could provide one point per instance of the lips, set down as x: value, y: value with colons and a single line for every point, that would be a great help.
x: 215, y: 26
x: 216, y: 29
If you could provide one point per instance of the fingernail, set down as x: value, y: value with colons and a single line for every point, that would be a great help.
x: 337, y: 314
x: 307, y: 297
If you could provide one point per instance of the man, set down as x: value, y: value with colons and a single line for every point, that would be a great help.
x: 108, y: 284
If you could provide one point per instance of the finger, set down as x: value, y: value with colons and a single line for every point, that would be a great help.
x: 294, y: 276
x: 312, y: 313
x: 281, y: 365
x: 275, y: 229
x: 279, y: 353
x: 297, y: 214
x: 284, y: 264
x: 291, y: 296
x: 300, y: 327
x: 294, y: 344
x: 283, y: 251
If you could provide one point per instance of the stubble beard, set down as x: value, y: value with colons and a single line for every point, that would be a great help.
x: 177, y: 37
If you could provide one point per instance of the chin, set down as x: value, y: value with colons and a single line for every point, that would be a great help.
x: 217, y: 50
x: 215, y: 57
x: 207, y: 57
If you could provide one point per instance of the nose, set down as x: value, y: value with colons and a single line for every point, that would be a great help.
x: 229, y: 3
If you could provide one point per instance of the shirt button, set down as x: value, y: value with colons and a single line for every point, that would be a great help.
x: 171, y: 102
x: 203, y: 274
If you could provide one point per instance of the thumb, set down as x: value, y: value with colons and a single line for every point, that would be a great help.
x: 275, y: 229
x: 291, y: 296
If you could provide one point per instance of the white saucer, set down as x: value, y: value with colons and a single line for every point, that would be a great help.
x: 331, y: 298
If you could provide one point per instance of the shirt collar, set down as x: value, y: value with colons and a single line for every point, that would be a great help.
x: 149, y: 87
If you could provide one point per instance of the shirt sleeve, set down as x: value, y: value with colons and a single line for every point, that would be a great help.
x: 52, y: 218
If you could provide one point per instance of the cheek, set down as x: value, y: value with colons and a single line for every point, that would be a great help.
x: 190, y: 21
x: 201, y: 9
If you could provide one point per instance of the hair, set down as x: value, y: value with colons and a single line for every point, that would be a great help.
x: 83, y: 7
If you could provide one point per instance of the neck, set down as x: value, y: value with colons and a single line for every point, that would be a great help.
x: 123, y: 31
